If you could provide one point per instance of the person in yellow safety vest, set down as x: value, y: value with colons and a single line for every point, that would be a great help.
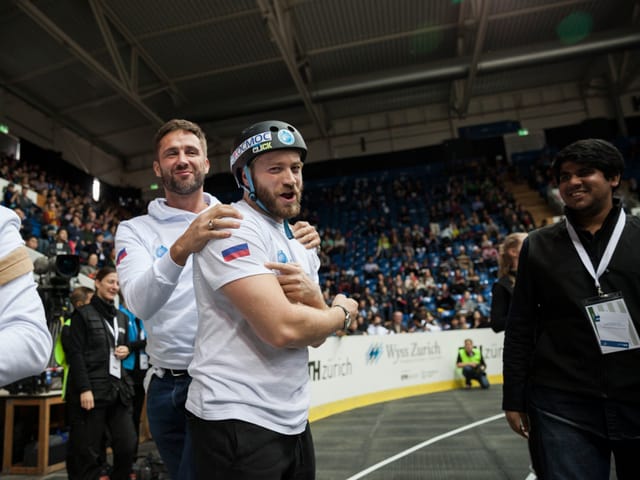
x: 472, y: 363
x: 79, y: 296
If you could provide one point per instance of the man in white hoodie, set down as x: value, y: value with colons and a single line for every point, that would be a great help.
x: 154, y: 266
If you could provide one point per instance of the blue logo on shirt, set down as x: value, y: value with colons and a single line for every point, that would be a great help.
x: 161, y: 250
x: 282, y: 257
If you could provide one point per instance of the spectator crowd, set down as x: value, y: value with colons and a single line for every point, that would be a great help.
x: 417, y: 247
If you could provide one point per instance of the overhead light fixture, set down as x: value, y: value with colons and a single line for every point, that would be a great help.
x: 95, y: 190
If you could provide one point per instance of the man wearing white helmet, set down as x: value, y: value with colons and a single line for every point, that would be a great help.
x: 260, y: 307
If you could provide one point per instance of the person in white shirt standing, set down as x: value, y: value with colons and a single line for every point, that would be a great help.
x: 25, y: 341
x: 260, y: 307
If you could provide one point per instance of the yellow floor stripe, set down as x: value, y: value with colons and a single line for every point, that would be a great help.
x: 328, y: 409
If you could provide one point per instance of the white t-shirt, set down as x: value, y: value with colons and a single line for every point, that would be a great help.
x: 235, y: 374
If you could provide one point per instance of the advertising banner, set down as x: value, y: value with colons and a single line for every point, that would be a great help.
x: 352, y: 371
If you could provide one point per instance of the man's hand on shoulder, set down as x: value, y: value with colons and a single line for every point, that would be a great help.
x: 306, y: 234
x: 211, y: 224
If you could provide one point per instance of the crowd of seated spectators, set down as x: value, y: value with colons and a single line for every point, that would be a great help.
x: 418, y: 255
x: 417, y: 247
x: 59, y: 217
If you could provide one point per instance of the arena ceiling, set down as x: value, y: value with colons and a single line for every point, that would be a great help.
x: 113, y: 70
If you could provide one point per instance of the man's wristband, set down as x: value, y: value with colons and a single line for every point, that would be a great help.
x: 347, y: 316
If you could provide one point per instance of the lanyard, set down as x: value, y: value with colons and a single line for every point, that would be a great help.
x: 606, y: 256
x: 114, y: 329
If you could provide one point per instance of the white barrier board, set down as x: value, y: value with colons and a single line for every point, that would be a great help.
x: 347, y: 367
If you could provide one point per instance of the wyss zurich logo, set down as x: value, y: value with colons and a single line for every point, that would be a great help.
x: 374, y: 353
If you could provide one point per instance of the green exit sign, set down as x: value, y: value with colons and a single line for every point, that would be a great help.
x: 4, y: 128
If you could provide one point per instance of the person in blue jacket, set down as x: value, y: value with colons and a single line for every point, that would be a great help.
x: 137, y: 363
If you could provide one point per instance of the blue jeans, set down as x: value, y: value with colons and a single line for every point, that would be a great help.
x: 576, y: 440
x: 471, y: 373
x: 166, y: 399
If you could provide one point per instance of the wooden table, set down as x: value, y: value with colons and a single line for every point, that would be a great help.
x: 43, y: 402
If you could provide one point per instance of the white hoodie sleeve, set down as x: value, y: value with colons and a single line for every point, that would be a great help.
x: 147, y: 277
x: 25, y: 341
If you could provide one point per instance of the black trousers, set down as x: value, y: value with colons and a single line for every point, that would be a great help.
x: 233, y: 449
x: 138, y: 402
x: 85, y: 455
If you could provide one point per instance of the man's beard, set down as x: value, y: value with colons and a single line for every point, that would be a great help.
x: 270, y: 201
x: 182, y: 187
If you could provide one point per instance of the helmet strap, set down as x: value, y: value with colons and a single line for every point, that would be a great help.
x: 253, y: 196
x: 287, y: 229
x: 250, y: 189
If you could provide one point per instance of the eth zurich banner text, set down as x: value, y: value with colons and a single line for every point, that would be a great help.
x: 349, y: 372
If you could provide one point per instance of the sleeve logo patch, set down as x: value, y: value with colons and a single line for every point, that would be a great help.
x: 237, y: 251
x: 121, y: 254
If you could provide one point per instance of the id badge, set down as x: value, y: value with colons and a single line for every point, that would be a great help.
x: 611, y: 322
x: 144, y: 361
x: 115, y: 365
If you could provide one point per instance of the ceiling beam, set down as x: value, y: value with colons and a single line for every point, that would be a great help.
x: 627, y: 74
x: 437, y: 72
x: 492, y: 63
x: 530, y: 57
x: 478, y: 46
x: 516, y: 12
x: 52, y: 29
x: 455, y: 93
x: 148, y: 91
x: 142, y: 53
x: 112, y: 48
x: 282, y: 34
x: 613, y: 81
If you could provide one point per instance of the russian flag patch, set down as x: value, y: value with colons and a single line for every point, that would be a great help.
x: 237, y: 251
x: 121, y: 254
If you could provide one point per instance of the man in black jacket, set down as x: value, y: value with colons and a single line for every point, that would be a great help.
x: 571, y: 356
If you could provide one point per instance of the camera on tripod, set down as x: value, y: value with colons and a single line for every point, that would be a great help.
x: 56, y: 271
